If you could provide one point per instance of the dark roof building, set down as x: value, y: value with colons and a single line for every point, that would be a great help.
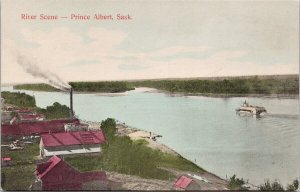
x: 56, y: 174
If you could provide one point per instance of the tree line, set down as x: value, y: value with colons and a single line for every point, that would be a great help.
x: 251, y: 85
x: 22, y: 100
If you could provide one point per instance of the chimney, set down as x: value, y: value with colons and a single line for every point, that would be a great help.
x: 71, y: 103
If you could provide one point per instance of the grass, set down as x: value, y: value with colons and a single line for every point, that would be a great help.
x: 134, y: 158
x: 18, y: 177
x: 24, y: 156
x: 171, y: 161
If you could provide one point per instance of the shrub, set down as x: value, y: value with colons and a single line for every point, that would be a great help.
x: 109, y: 128
x: 294, y: 186
x: 236, y: 183
x: 268, y: 186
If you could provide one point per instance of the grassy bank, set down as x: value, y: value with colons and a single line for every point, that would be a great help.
x: 123, y: 155
x: 274, y: 84
x: 134, y: 158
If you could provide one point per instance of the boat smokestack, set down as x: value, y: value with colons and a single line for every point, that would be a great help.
x: 71, y: 103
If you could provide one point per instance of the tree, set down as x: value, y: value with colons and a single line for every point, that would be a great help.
x: 109, y: 128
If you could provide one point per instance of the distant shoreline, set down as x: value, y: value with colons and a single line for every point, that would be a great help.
x: 270, y: 86
x: 154, y: 90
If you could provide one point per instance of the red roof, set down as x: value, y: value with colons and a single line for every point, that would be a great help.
x: 73, y: 138
x: 183, y: 182
x: 44, y: 168
x: 58, y: 175
x: 37, y: 127
x: 6, y: 158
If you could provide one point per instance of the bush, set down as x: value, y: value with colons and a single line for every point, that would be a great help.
x: 109, y: 128
x: 294, y: 186
x: 236, y: 183
x: 268, y: 186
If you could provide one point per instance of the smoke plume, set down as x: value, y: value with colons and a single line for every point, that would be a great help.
x: 32, y: 68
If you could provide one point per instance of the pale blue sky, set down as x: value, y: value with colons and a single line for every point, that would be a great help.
x: 164, y: 39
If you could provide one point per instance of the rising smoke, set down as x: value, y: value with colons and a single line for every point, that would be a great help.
x: 32, y: 68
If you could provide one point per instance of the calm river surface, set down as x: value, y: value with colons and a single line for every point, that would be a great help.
x: 205, y: 130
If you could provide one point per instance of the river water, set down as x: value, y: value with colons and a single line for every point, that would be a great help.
x: 204, y: 130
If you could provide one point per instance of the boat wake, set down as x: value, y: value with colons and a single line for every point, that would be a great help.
x: 282, y: 116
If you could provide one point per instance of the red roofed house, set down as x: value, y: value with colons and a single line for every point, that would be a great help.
x: 186, y: 183
x: 36, y: 127
x: 69, y: 143
x: 56, y: 174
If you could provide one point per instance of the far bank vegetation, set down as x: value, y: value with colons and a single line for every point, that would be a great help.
x: 288, y: 84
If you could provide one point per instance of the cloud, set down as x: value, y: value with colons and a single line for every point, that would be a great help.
x: 132, y: 67
x: 67, y: 54
x: 82, y: 62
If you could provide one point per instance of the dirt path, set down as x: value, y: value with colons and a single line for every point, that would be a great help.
x: 130, y: 182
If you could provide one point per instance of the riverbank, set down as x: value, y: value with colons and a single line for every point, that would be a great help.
x: 214, y: 95
x: 208, y: 180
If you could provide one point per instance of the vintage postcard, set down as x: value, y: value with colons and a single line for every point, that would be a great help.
x: 149, y: 95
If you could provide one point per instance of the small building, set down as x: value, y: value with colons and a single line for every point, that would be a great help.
x: 6, y: 161
x: 70, y: 143
x: 56, y: 174
x: 186, y: 183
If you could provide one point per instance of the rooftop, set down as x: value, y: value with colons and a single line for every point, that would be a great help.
x: 73, y: 138
x: 37, y: 127
x: 183, y: 182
